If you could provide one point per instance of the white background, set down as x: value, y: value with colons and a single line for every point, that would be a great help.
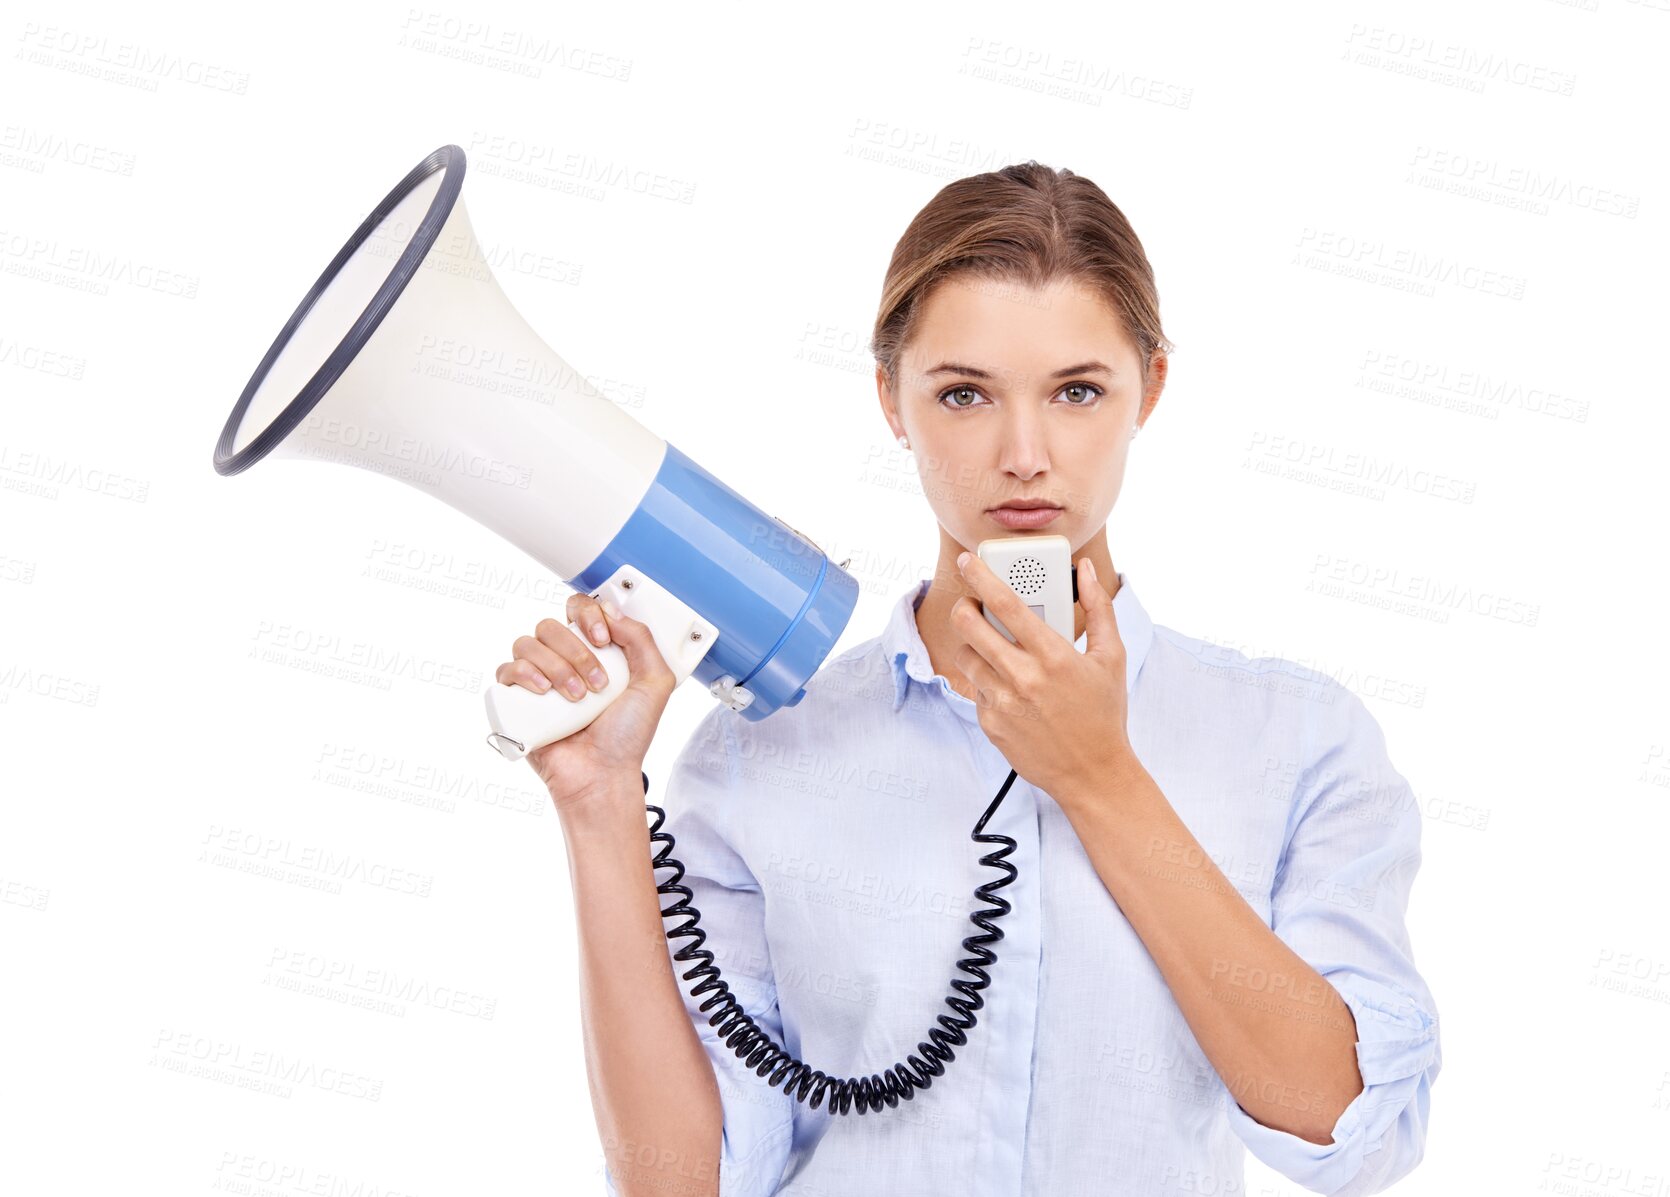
x: 1423, y: 243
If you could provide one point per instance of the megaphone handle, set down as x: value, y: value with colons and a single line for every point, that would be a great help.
x: 523, y: 721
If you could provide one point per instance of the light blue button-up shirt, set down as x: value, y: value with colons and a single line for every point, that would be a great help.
x: 828, y: 851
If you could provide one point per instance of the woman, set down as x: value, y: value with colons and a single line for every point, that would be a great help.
x: 1206, y: 949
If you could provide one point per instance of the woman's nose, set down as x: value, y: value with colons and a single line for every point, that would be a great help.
x: 1024, y: 451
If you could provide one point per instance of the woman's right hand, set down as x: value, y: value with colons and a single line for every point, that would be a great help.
x: 614, y: 744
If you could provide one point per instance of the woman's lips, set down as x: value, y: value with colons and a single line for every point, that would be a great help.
x: 1015, y: 517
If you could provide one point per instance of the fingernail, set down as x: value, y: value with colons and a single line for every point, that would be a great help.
x: 1090, y: 568
x: 600, y: 633
x: 599, y: 679
x: 542, y: 682
x: 573, y: 686
x: 609, y: 606
x: 962, y: 559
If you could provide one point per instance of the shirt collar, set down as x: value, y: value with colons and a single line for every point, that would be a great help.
x: 903, y: 648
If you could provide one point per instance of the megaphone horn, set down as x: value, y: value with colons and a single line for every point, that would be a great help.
x: 406, y: 358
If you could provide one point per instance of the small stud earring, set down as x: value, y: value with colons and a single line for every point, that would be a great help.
x: 1135, y: 428
x: 904, y: 442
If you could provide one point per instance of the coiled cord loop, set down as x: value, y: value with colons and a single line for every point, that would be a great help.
x: 755, y: 1046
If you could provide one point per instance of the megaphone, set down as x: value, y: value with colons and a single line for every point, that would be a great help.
x: 406, y: 358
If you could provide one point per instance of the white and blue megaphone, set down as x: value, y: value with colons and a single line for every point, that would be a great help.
x: 406, y: 358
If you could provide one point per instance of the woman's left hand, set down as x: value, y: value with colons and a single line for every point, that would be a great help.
x: 1056, y: 714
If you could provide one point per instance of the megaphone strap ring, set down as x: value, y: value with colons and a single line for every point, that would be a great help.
x: 449, y: 160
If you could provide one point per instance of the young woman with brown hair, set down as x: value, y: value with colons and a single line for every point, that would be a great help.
x: 1203, y: 947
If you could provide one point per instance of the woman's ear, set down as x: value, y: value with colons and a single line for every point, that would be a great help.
x: 889, y: 409
x: 1157, y: 366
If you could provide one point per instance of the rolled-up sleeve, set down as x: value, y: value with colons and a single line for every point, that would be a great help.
x: 1339, y: 900
x: 758, y: 1118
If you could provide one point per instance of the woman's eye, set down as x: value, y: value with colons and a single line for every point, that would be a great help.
x: 958, y: 391
x: 1090, y: 391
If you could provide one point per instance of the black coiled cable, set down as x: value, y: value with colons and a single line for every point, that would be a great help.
x: 755, y: 1047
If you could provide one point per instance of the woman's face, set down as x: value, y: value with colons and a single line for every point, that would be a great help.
x: 1010, y: 392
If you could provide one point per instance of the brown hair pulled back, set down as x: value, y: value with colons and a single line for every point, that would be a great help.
x: 1024, y: 224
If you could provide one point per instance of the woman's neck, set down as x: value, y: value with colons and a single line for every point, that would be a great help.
x: 933, y: 615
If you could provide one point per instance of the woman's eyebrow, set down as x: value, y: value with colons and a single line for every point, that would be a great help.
x: 1083, y: 368
x: 976, y: 372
